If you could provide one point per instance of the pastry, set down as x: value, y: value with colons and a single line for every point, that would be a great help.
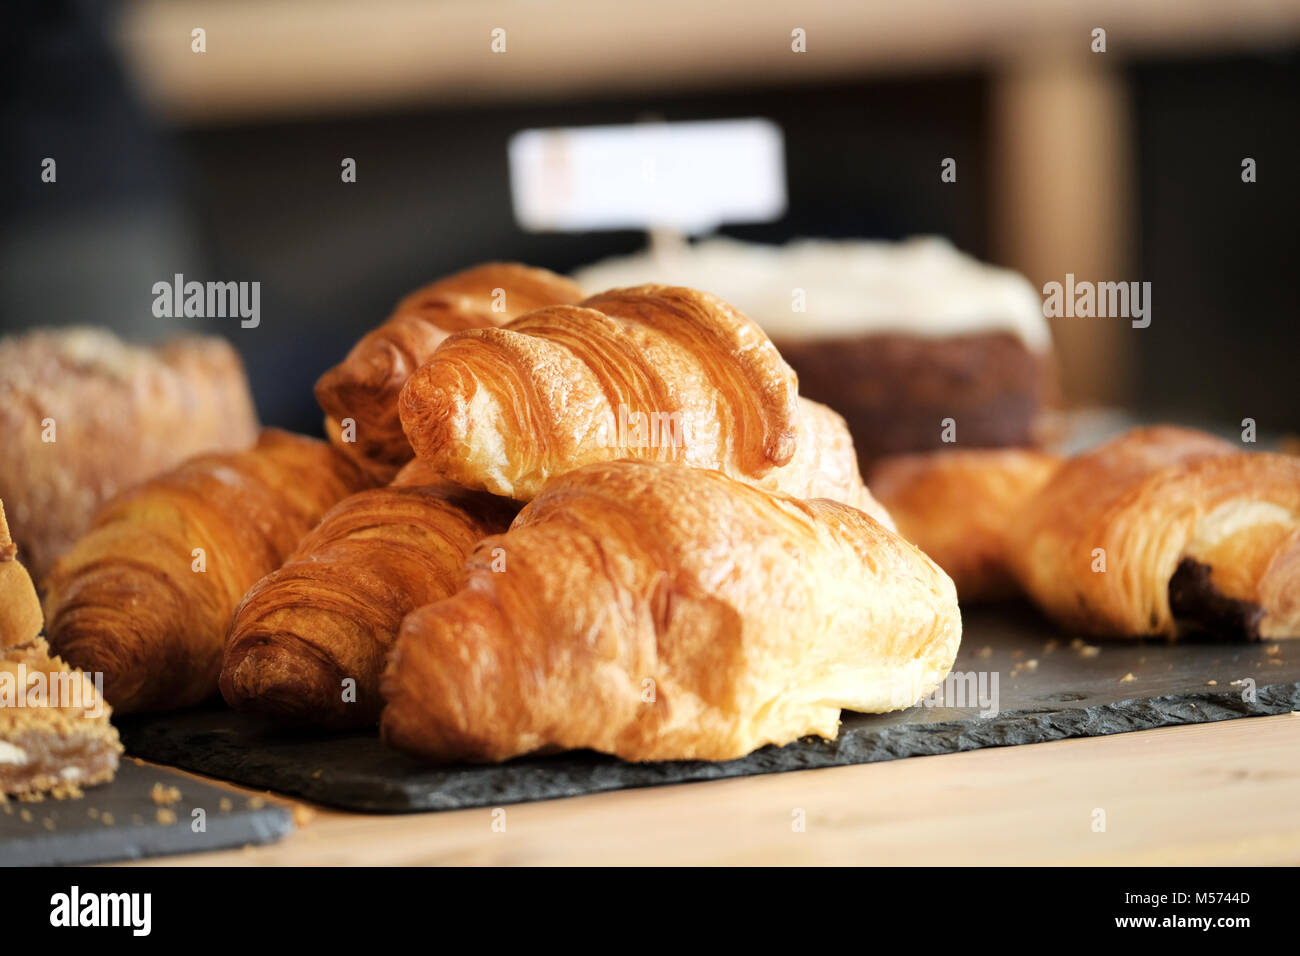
x: 54, y: 732
x: 332, y: 611
x: 147, y: 595
x: 85, y: 415
x: 957, y: 506
x: 55, y: 735
x: 365, y: 385
x: 20, y: 609
x: 1163, y: 531
x: 895, y: 336
x: 657, y: 373
x: 657, y: 612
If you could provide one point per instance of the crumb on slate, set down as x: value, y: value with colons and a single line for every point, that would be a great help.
x: 164, y: 795
x: 1127, y: 678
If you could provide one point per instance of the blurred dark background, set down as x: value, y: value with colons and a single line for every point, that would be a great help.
x: 145, y: 191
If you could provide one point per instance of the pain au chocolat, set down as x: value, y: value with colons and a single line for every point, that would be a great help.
x: 1165, y: 531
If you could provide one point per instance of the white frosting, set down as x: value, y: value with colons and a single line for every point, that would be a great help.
x: 11, y: 754
x: 922, y: 285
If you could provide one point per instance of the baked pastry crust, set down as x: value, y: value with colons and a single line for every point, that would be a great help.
x: 657, y: 373
x: 119, y: 415
x: 958, y: 505
x: 366, y: 384
x: 129, y: 600
x: 20, y: 609
x: 1177, y: 514
x: 332, y: 610
x: 660, y: 613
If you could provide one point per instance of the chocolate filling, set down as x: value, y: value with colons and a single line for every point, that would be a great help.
x: 1198, y: 607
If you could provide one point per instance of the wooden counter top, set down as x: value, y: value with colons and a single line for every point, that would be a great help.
x: 1220, y: 793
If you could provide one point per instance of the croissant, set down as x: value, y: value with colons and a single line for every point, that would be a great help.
x: 958, y: 506
x: 85, y: 415
x: 365, y: 385
x: 657, y: 612
x: 147, y: 595
x: 332, y: 611
x: 1165, y: 531
x: 653, y: 372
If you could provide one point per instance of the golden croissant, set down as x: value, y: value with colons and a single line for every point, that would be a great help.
x: 1164, y: 531
x: 657, y: 612
x: 654, y: 372
x: 329, y: 615
x: 147, y: 595
x: 365, y: 385
x: 958, y: 506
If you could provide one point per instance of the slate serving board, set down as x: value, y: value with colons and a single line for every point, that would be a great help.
x: 121, y: 821
x: 1068, y: 692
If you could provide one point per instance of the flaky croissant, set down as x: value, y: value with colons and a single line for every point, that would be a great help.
x: 1162, y: 531
x: 365, y: 385
x: 653, y: 372
x: 658, y: 612
x: 332, y: 611
x: 147, y: 595
x: 958, y: 506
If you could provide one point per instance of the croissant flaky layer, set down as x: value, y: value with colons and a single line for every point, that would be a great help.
x: 655, y: 373
x: 308, y: 642
x: 657, y: 613
x: 1162, y: 531
x: 147, y: 595
x: 364, y: 387
x: 957, y: 506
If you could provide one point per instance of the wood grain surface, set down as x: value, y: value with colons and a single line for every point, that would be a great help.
x: 1222, y: 793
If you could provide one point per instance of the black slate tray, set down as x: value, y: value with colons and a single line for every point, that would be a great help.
x: 121, y: 821
x: 1071, y: 691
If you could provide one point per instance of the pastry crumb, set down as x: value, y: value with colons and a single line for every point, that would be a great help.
x: 1089, y: 650
x: 165, y: 816
x: 303, y: 814
x: 1211, y: 683
x: 985, y: 651
x: 225, y: 805
x: 1127, y: 678
x: 164, y: 795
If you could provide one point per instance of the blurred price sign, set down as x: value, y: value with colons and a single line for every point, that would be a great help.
x: 687, y: 177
